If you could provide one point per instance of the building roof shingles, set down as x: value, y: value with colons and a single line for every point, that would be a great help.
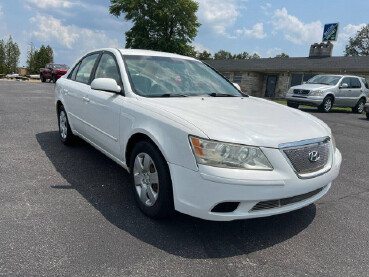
x: 328, y: 64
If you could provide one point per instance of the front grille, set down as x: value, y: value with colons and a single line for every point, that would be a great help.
x: 272, y: 204
x: 301, y: 91
x: 299, y: 157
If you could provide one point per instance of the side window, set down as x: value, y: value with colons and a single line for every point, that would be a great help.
x: 365, y: 82
x: 355, y: 83
x: 73, y: 74
x: 347, y: 81
x: 84, y: 71
x: 108, y: 68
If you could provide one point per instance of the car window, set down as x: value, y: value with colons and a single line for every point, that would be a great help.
x: 365, y: 82
x: 85, y: 69
x: 73, y: 74
x: 108, y: 68
x: 347, y: 81
x: 355, y: 83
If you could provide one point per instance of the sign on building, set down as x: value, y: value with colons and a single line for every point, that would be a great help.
x: 330, y: 32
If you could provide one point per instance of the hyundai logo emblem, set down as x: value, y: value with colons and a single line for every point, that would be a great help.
x: 314, y: 156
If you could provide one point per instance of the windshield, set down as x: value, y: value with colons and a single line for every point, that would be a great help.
x: 324, y: 80
x: 164, y: 76
x: 60, y: 66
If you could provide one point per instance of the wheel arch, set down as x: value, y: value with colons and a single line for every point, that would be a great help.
x: 330, y: 94
x: 58, y: 105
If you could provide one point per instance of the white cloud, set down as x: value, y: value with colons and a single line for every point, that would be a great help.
x: 199, y: 47
x: 272, y: 52
x: 350, y: 31
x: 219, y: 14
x: 71, y: 40
x: 47, y: 4
x: 257, y: 31
x: 296, y: 31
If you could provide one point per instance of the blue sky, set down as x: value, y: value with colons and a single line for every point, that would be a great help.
x: 74, y: 27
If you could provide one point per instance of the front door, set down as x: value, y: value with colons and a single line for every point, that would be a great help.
x: 271, y: 85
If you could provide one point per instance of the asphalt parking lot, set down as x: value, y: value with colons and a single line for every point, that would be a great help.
x: 69, y: 211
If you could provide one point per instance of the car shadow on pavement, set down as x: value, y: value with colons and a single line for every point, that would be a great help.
x: 106, y: 186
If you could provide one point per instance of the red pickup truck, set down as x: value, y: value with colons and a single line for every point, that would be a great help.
x: 53, y: 71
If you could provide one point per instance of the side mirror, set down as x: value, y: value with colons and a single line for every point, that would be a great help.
x: 344, y: 85
x: 106, y: 84
x: 237, y: 86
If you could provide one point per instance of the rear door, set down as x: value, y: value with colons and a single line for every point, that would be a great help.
x: 77, y: 89
x: 356, y: 90
x: 103, y: 109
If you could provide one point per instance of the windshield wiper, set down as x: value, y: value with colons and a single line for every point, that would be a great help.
x: 172, y: 95
x: 215, y: 94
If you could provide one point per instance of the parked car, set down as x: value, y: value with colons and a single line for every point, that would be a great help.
x: 327, y: 91
x: 191, y: 140
x: 53, y: 72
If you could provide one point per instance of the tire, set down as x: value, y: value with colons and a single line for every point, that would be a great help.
x: 65, y: 132
x: 292, y: 105
x: 327, y: 104
x: 367, y: 115
x: 54, y: 79
x: 42, y: 78
x: 359, y: 108
x: 151, y: 182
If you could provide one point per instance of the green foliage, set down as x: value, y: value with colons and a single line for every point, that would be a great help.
x: 225, y: 55
x: 9, y: 56
x: 37, y: 59
x: 205, y: 55
x: 162, y: 25
x: 359, y: 44
x: 282, y: 55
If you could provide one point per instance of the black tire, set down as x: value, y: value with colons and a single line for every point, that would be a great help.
x: 69, y: 138
x: 367, y: 115
x: 163, y: 206
x: 327, y: 105
x: 359, y: 108
x: 292, y: 105
x: 42, y: 78
x: 54, y: 79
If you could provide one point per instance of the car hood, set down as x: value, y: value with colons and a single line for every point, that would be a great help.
x: 247, y: 120
x: 313, y: 87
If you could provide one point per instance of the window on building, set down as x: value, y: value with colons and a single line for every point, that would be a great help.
x: 227, y: 75
x: 237, y: 77
x: 296, y: 79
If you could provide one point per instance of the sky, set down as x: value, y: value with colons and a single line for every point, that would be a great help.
x: 266, y: 27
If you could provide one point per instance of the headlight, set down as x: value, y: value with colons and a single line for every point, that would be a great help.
x: 228, y: 155
x: 333, y: 143
x: 290, y: 90
x: 316, y: 93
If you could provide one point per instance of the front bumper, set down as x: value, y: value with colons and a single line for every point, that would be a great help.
x: 305, y: 100
x: 196, y: 193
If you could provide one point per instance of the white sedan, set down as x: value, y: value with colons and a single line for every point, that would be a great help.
x: 191, y: 140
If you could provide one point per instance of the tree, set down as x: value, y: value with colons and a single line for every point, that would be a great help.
x: 255, y: 56
x: 359, y: 44
x: 162, y: 25
x: 282, y: 55
x: 205, y: 55
x: 243, y: 56
x: 223, y: 55
x: 12, y: 54
x: 39, y: 58
x: 2, y: 56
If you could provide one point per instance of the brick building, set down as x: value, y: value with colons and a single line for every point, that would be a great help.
x: 272, y: 77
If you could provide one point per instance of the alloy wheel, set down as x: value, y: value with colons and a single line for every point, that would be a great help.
x: 146, y: 179
x: 63, y: 125
x: 328, y: 105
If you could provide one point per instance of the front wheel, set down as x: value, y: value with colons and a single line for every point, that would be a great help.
x: 292, y: 105
x: 359, y: 108
x: 54, y: 79
x: 327, y: 104
x: 367, y: 115
x: 42, y: 78
x: 151, y: 182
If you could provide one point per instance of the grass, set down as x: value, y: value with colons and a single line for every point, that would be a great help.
x: 284, y: 102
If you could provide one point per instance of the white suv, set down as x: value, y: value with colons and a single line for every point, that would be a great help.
x: 191, y: 140
x: 326, y: 91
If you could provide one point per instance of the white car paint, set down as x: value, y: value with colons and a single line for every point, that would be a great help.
x: 108, y: 120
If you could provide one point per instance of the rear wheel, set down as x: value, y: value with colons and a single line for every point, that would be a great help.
x: 359, y: 108
x: 54, y: 79
x: 292, y: 105
x: 151, y: 182
x: 327, y: 104
x: 65, y: 132
x: 367, y: 115
x: 42, y: 78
